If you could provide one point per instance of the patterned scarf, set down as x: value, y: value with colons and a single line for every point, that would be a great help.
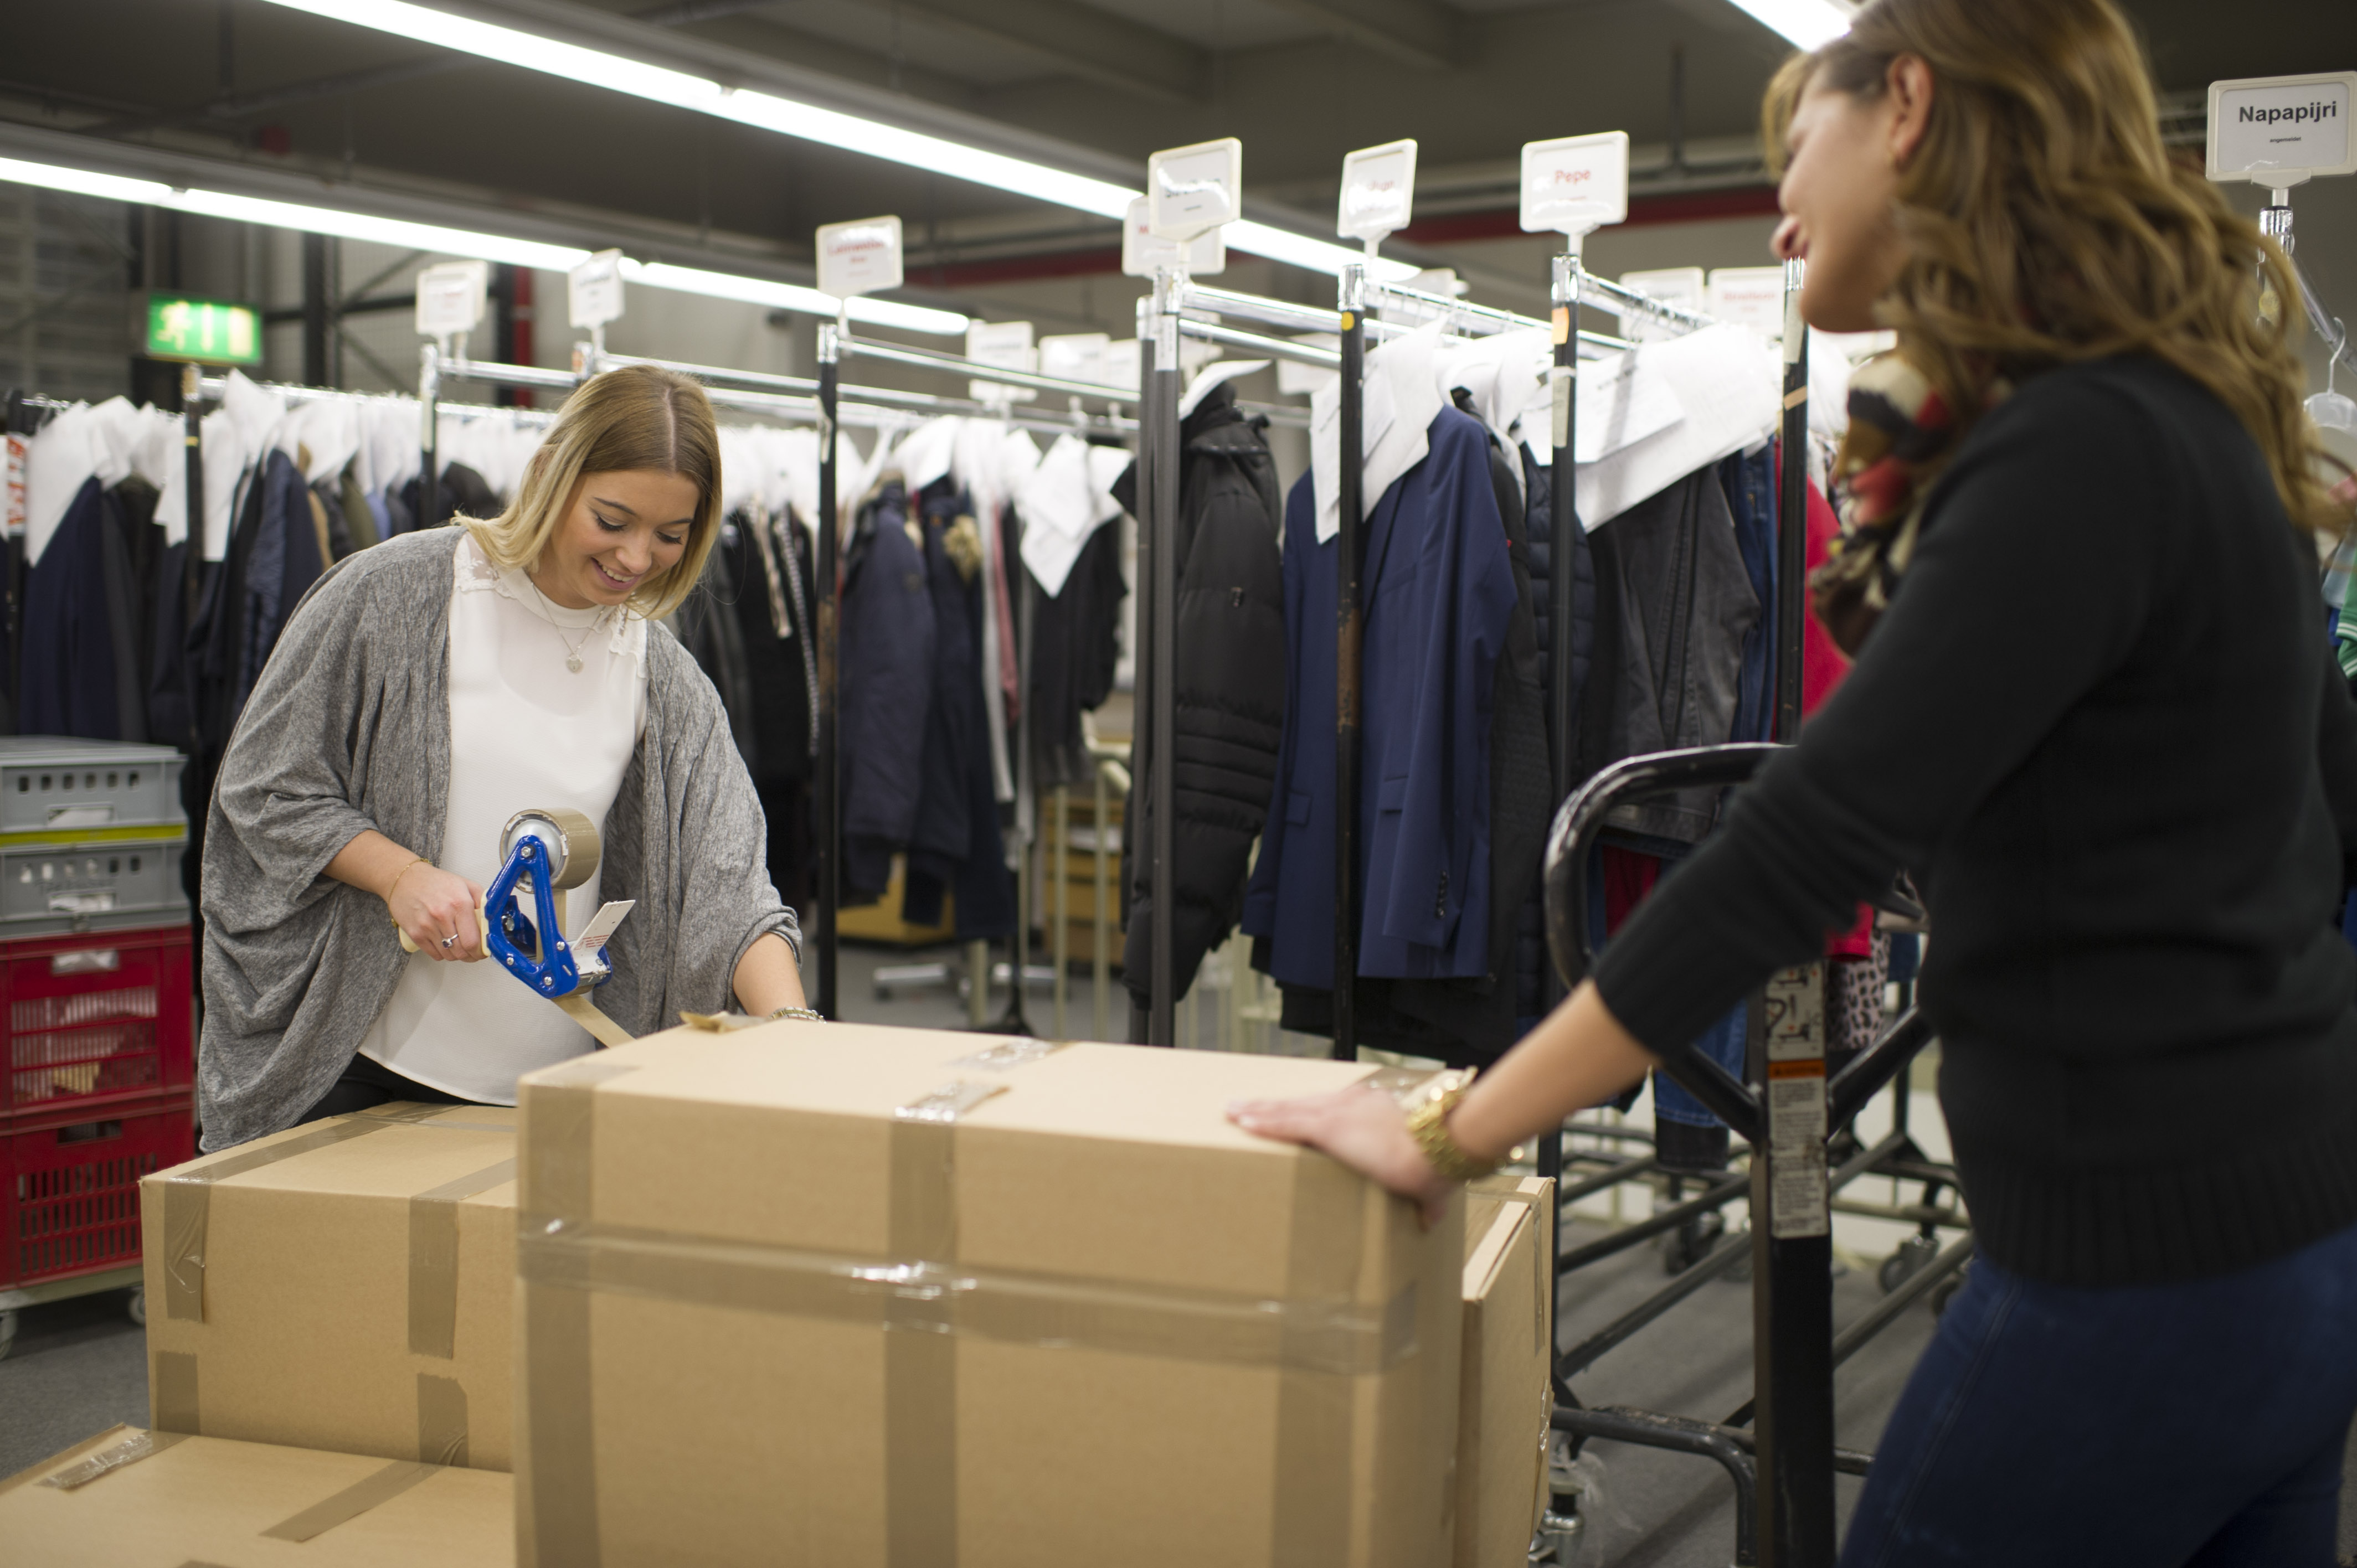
x: 1900, y: 429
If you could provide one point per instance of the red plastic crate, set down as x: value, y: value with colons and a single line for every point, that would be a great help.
x: 69, y: 1190
x: 90, y: 1019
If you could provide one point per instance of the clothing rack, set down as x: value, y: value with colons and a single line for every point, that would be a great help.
x: 837, y: 344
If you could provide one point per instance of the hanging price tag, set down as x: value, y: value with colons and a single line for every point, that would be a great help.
x: 593, y: 291
x: 1378, y: 191
x: 859, y: 257
x: 1142, y: 255
x: 1193, y: 190
x: 451, y: 298
x: 1574, y: 184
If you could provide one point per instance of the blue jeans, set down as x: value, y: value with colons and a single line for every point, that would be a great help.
x: 2197, y: 1425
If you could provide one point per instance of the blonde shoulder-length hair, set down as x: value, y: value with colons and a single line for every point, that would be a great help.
x: 639, y: 417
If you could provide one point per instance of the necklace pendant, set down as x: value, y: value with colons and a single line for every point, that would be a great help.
x: 573, y: 662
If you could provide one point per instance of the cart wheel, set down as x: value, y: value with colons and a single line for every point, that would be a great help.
x: 135, y: 1305
x: 1946, y: 1291
x: 7, y: 1333
x: 1903, y: 1265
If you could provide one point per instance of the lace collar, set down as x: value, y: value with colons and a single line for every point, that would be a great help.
x: 475, y: 572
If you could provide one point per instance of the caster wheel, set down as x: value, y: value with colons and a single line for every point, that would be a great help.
x: 1903, y: 1265
x: 135, y: 1307
x: 1945, y: 1292
x: 7, y: 1333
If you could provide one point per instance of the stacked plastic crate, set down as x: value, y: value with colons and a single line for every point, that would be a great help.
x: 97, y: 1016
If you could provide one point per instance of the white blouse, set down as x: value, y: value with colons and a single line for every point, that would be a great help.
x: 525, y: 731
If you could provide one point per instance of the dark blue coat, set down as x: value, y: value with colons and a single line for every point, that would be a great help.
x: 888, y: 685
x: 1439, y: 589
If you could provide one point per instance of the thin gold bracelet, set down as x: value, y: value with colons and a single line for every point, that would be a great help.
x: 394, y: 885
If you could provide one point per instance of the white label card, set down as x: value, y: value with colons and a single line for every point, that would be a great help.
x: 1794, y: 1008
x: 593, y: 290
x: 1142, y: 255
x: 2282, y: 130
x: 1193, y: 190
x: 1672, y: 285
x: 859, y: 257
x: 1749, y: 297
x: 1076, y: 357
x: 451, y: 297
x: 1005, y: 346
x: 1574, y: 184
x: 1378, y: 190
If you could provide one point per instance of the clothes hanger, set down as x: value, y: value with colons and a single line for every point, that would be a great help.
x: 2334, y: 410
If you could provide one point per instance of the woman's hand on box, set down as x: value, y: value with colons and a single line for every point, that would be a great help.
x: 1364, y: 1129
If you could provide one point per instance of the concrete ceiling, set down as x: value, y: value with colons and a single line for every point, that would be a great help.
x: 1096, y: 83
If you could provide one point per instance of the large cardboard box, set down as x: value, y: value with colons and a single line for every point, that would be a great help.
x: 128, y: 1499
x: 346, y: 1285
x: 831, y: 1294
x: 1507, y: 1396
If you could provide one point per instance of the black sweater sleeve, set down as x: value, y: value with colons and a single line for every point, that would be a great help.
x: 2039, y: 564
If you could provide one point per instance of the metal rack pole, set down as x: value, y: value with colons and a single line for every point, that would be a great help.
x: 1162, y: 429
x: 1793, y: 511
x: 429, y: 475
x: 1350, y: 629
x: 1563, y: 517
x: 826, y: 835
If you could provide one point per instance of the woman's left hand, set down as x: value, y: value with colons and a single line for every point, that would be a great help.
x: 1361, y: 1128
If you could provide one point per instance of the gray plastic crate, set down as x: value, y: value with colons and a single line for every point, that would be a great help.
x: 57, y: 784
x: 67, y: 888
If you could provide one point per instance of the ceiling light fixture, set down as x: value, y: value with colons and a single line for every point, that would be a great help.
x: 810, y: 123
x: 472, y: 246
x: 1805, y: 23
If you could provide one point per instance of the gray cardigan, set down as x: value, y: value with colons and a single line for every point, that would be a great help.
x: 349, y: 728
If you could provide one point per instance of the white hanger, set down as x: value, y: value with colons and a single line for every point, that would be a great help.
x: 2334, y: 410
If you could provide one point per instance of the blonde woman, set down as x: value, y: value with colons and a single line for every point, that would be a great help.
x: 426, y: 691
x: 2093, y: 711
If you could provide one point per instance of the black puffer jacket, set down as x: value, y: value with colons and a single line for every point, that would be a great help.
x: 1229, y: 698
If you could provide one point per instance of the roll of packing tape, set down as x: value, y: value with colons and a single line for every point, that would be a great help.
x: 569, y: 837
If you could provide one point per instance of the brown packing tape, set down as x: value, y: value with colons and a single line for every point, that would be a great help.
x: 441, y: 1420
x: 582, y: 1011
x: 1399, y: 1082
x: 176, y: 1408
x: 1311, y: 1527
x: 920, y: 1366
x: 129, y: 1449
x: 434, y: 1258
x: 556, y: 1179
x: 381, y: 1487
x: 188, y: 1207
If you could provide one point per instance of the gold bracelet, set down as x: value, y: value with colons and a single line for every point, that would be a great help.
x: 1427, y: 1123
x: 815, y: 1016
x: 394, y: 885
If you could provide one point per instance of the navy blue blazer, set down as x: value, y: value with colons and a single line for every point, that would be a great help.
x: 1439, y: 589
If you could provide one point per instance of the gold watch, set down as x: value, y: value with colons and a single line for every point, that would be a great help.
x: 1427, y: 1123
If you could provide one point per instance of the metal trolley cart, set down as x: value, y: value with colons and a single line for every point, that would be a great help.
x: 1795, y: 1120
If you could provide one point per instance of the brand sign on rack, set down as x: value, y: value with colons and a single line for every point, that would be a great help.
x: 1078, y: 357
x: 1574, y: 184
x: 1193, y: 191
x: 593, y: 291
x: 1683, y: 286
x: 1378, y: 191
x: 451, y: 298
x: 2282, y: 130
x: 1142, y: 255
x: 1003, y: 346
x: 859, y: 257
x: 1749, y: 297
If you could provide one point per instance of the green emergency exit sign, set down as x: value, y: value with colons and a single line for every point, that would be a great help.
x: 208, y: 331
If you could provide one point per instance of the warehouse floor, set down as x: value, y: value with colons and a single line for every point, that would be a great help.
x: 80, y: 1366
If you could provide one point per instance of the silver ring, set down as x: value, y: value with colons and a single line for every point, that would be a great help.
x: 450, y: 940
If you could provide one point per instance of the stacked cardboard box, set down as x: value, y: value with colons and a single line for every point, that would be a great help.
x: 137, y: 1499
x: 852, y: 1295
x: 346, y: 1285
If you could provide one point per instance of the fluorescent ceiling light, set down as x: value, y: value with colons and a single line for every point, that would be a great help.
x: 809, y: 123
x: 1805, y: 23
x: 470, y: 244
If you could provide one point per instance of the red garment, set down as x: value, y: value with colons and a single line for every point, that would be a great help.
x: 1629, y: 876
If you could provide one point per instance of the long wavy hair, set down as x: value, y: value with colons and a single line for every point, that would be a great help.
x: 2046, y: 223
x: 637, y: 417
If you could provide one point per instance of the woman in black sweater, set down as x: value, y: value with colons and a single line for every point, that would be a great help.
x: 2093, y: 713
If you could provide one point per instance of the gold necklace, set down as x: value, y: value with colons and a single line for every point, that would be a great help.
x: 572, y: 649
